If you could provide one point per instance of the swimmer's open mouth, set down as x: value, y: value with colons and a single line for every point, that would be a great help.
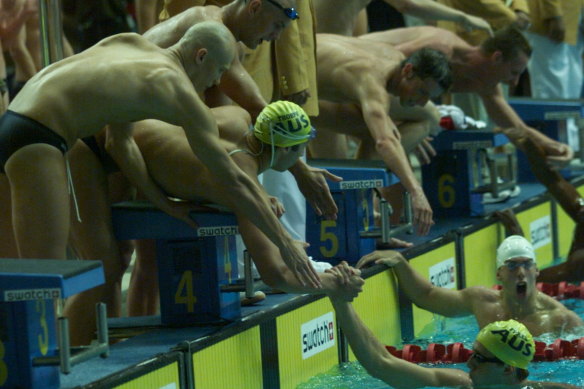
x: 521, y: 288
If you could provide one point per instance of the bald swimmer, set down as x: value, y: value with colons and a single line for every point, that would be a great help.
x: 250, y: 21
x: 365, y: 89
x: 143, y: 81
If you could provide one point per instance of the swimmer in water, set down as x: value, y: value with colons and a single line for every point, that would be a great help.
x: 519, y: 298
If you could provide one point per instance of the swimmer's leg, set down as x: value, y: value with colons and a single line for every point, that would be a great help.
x: 40, y: 201
x: 93, y: 239
x: 143, y: 296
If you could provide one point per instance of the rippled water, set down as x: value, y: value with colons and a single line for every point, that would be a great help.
x: 352, y: 375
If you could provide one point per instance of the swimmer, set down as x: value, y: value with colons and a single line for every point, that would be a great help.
x: 182, y: 175
x: 364, y: 89
x: 480, y: 69
x: 162, y: 84
x: 519, y: 299
x: 572, y: 270
x: 495, y: 362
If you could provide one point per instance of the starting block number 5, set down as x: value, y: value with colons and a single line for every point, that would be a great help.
x: 328, y: 236
x: 446, y: 191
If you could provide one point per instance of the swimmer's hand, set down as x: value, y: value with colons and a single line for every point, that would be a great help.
x: 470, y: 22
x: 277, y: 206
x: 312, y: 183
x: 297, y: 261
x: 389, y: 258
x: 425, y: 151
x: 348, y: 282
x: 558, y: 155
x: 182, y: 210
x: 422, y: 212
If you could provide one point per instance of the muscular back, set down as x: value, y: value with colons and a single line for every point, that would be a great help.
x: 408, y: 40
x: 170, y: 31
x: 123, y: 78
x: 346, y: 65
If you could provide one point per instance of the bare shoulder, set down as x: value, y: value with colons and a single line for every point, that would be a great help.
x: 481, y: 293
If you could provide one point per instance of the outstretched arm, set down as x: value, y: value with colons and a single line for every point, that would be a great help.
x: 372, y: 354
x: 276, y: 274
x: 428, y: 9
x: 312, y: 183
x: 203, y: 136
x: 420, y: 291
x: 388, y: 146
x: 557, y: 154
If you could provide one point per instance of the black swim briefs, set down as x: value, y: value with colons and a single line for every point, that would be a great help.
x: 17, y: 131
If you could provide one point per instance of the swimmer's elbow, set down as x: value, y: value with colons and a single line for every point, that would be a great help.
x: 386, y: 144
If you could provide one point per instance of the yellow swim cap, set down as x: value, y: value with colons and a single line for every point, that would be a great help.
x: 283, y: 124
x: 510, y: 341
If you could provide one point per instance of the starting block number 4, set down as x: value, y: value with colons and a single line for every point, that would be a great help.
x: 185, y: 293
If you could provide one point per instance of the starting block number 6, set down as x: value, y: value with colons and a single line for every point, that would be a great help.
x: 446, y: 191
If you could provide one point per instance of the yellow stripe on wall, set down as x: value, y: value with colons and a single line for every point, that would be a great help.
x: 166, y: 377
x: 293, y: 369
x: 235, y: 362
x: 480, y: 256
x: 378, y: 307
x: 422, y: 265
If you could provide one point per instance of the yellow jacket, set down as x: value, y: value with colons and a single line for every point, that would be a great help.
x: 295, y: 58
x: 497, y: 12
x: 569, y: 10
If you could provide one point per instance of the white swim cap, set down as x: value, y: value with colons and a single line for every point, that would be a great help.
x: 514, y: 246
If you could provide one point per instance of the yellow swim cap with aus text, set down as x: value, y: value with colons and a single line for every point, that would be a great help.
x: 510, y: 341
x: 283, y: 124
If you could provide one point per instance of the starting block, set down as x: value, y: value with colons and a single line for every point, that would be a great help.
x: 30, y: 350
x: 195, y: 266
x: 550, y: 117
x: 452, y: 184
x: 354, y: 233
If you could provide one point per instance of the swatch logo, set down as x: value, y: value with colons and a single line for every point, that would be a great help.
x: 317, y: 335
x: 443, y: 274
x: 541, y: 232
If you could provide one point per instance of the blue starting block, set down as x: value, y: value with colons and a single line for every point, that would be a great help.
x: 353, y: 234
x: 193, y: 264
x: 29, y: 356
x: 449, y: 182
x: 549, y: 117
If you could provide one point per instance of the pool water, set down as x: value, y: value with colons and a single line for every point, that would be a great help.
x: 352, y: 375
